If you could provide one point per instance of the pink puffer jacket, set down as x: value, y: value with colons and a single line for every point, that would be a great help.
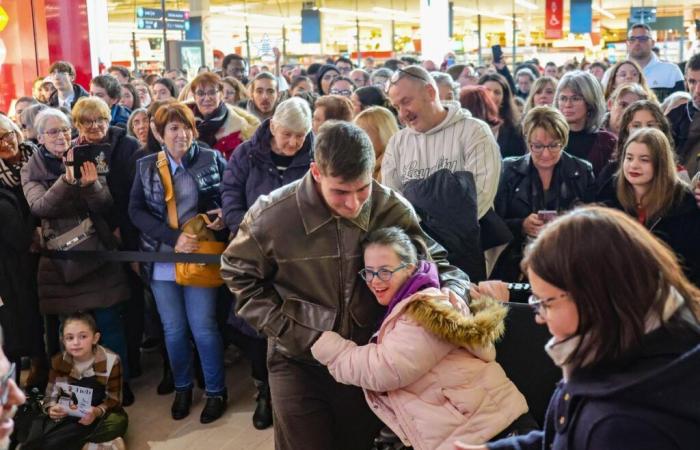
x: 432, y: 375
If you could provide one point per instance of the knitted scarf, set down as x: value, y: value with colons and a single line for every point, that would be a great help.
x: 209, y: 125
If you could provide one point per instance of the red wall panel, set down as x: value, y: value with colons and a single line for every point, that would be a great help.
x: 67, y: 26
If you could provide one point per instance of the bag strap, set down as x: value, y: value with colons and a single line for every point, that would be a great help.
x: 166, y: 179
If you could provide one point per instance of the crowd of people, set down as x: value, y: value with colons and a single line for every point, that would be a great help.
x: 369, y: 220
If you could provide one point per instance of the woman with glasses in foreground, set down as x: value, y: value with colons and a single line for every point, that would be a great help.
x: 534, y: 188
x: 627, y: 339
x: 430, y: 372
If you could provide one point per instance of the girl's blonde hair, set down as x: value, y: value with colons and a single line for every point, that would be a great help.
x: 666, y: 188
x: 540, y: 84
x: 381, y: 121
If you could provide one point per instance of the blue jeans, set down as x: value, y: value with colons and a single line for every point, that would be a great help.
x: 185, y: 309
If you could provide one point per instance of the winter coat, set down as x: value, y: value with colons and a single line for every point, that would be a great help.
x: 679, y: 228
x: 19, y: 315
x: 431, y: 376
x: 292, y: 303
x: 251, y: 173
x: 459, y: 143
x: 148, y: 209
x: 511, y: 141
x: 650, y: 400
x: 446, y: 204
x: 603, y: 144
x: 120, y: 116
x: 238, y: 127
x: 61, y: 207
x: 520, y: 193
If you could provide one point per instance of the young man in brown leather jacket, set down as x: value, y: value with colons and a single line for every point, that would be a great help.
x: 293, y: 267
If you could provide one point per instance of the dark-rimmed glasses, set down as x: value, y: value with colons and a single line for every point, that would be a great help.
x: 641, y: 39
x: 541, y: 305
x: 539, y: 148
x: 383, y: 274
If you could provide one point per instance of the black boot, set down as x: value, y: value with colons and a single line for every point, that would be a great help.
x: 166, y: 385
x: 181, y: 404
x: 262, y: 417
x: 214, y: 408
x: 127, y: 395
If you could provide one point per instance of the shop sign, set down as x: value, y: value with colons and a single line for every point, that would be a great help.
x: 554, y: 19
x: 149, y: 13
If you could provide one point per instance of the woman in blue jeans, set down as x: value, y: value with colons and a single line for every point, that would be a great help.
x: 184, y: 310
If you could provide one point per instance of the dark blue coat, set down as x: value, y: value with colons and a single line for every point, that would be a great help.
x: 147, y: 207
x: 649, y: 400
x: 251, y: 173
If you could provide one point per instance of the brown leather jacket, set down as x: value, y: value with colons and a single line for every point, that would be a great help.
x: 293, y: 266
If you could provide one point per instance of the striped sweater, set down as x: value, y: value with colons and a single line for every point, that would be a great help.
x: 458, y: 143
x: 106, y: 368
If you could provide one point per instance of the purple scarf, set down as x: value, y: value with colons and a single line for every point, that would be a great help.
x: 425, y: 276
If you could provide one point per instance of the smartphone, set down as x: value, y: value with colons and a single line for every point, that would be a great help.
x: 547, y: 216
x: 497, y: 53
x: 87, y: 152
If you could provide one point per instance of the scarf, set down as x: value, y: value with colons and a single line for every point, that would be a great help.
x: 562, y: 350
x: 208, y: 126
x: 425, y: 276
x: 10, y: 171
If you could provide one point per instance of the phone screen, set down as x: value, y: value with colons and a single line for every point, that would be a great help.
x: 85, y: 153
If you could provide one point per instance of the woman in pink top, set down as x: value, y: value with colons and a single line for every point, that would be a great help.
x: 430, y: 372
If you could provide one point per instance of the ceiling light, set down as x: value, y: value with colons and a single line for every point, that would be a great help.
x: 526, y: 4
x: 474, y: 12
x: 396, y: 13
x: 603, y: 12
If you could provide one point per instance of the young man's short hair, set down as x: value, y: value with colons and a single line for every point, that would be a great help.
x: 64, y: 67
x: 343, y: 150
x: 123, y: 71
x: 693, y: 63
x: 109, y: 84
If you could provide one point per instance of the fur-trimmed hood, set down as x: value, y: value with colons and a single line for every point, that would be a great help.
x: 433, y: 310
x: 238, y: 121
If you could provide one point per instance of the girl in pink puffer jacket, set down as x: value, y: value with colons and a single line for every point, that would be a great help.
x: 430, y: 372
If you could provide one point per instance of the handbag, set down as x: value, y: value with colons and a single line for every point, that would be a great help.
x: 82, y: 237
x: 191, y: 274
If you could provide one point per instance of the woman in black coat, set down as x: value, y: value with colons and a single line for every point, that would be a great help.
x: 535, y: 187
x: 626, y: 337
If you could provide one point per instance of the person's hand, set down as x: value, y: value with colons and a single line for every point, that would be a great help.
x: 461, y: 446
x: 88, y: 172
x: 496, y: 289
x: 186, y: 243
x: 499, y: 65
x: 56, y: 412
x: 217, y: 224
x: 70, y: 170
x: 457, y: 302
x: 90, y: 417
x: 532, y: 225
x: 278, y: 54
x: 696, y: 191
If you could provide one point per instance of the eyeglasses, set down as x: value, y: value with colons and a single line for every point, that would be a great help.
x: 202, y: 94
x: 399, y: 74
x: 7, y: 137
x: 641, y: 39
x: 539, y: 148
x: 55, y: 132
x: 343, y: 92
x: 540, y: 305
x: 383, y: 274
x: 572, y: 99
x: 94, y: 122
x: 4, y: 381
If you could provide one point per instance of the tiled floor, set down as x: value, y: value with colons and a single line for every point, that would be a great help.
x: 151, y: 427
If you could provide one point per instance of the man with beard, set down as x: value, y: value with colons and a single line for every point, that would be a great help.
x: 263, y: 96
x: 685, y: 122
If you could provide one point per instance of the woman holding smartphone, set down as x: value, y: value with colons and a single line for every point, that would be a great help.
x: 535, y: 187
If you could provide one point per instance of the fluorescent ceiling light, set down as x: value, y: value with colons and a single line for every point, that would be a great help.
x: 263, y: 17
x: 396, y: 13
x: 474, y: 12
x: 603, y: 12
x: 526, y: 4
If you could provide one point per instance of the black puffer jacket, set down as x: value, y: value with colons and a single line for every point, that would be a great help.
x: 520, y: 193
x: 446, y: 204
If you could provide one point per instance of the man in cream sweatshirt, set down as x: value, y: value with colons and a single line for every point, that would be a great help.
x: 438, y: 137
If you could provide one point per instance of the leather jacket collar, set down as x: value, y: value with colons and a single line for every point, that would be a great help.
x: 315, y: 213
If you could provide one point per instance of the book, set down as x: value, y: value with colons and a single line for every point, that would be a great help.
x: 75, y: 400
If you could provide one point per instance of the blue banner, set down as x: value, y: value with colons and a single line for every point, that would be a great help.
x: 581, y: 16
x: 310, y: 26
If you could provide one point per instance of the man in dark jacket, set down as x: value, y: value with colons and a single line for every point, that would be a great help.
x: 62, y: 74
x: 685, y: 123
x: 108, y: 89
x: 293, y: 267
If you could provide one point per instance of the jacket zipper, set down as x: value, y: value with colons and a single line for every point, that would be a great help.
x: 341, y: 308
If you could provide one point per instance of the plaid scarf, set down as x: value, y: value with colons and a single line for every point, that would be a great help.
x: 9, y: 172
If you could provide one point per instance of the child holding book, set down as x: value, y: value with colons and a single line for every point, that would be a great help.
x: 83, y: 397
